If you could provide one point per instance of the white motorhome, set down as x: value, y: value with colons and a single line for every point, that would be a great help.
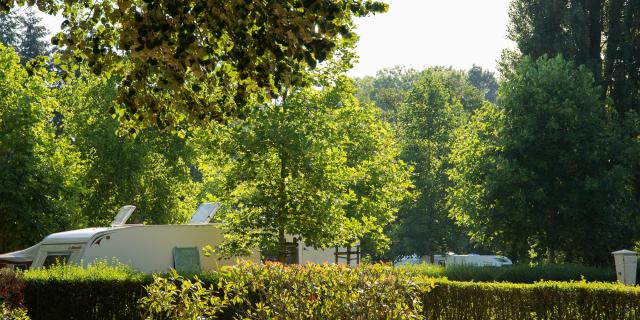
x: 155, y: 248
x: 147, y: 248
x: 472, y: 260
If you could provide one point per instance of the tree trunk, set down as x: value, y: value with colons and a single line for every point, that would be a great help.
x: 613, y: 36
x: 594, y: 9
x: 282, y: 219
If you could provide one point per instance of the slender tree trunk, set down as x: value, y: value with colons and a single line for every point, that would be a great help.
x: 595, y: 10
x: 282, y: 240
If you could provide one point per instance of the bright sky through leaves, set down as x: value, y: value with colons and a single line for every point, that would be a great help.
x: 421, y: 33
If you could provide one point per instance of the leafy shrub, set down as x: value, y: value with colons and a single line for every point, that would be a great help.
x: 7, y: 313
x: 274, y: 291
x: 521, y: 273
x: 12, y: 314
x: 11, y: 289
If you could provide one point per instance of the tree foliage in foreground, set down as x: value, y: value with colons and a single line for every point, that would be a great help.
x: 541, y: 176
x: 62, y: 165
x: 150, y: 171
x: 201, y: 60
x: 316, y: 165
x: 40, y: 174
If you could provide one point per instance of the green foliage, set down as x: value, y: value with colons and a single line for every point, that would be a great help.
x: 99, y: 271
x: 150, y: 170
x: 12, y: 314
x: 519, y: 273
x: 41, y: 185
x: 484, y: 81
x: 387, y: 89
x: 427, y: 119
x: 316, y: 165
x: 33, y: 41
x: 275, y: 291
x: 64, y: 166
x: 181, y: 61
x: 543, y: 300
x: 9, y: 29
x: 596, y: 33
x: 539, y: 177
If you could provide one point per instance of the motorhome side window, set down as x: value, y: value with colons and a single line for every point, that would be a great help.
x: 55, y: 259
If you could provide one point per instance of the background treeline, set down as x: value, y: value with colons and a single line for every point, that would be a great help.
x: 539, y: 164
x: 548, y: 170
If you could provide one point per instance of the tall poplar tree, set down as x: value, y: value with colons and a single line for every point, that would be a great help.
x: 599, y: 34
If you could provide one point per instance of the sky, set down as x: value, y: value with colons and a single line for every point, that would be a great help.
x: 423, y: 33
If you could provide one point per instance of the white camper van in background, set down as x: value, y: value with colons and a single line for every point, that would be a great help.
x: 472, y: 260
x: 156, y: 248
x: 147, y: 248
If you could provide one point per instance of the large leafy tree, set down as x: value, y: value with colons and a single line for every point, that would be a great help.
x: 201, y: 60
x: 427, y: 119
x: 150, y: 171
x: 315, y: 164
x: 40, y: 174
x: 539, y: 177
x: 599, y: 34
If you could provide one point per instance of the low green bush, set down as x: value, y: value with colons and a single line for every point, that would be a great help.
x: 520, y: 273
x: 274, y: 291
x: 544, y: 300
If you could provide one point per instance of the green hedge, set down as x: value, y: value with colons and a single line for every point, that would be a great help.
x: 521, y: 273
x: 544, y: 300
x: 102, y: 292
x: 70, y: 292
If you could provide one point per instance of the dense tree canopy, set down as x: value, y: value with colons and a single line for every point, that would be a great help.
x: 485, y: 81
x: 201, y: 60
x: 34, y: 40
x: 63, y: 165
x: 316, y: 165
x: 41, y: 185
x: 387, y: 89
x: 540, y: 177
x: 433, y: 109
x: 599, y: 34
x: 150, y: 171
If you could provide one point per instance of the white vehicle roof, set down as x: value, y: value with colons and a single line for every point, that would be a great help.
x: 76, y: 236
